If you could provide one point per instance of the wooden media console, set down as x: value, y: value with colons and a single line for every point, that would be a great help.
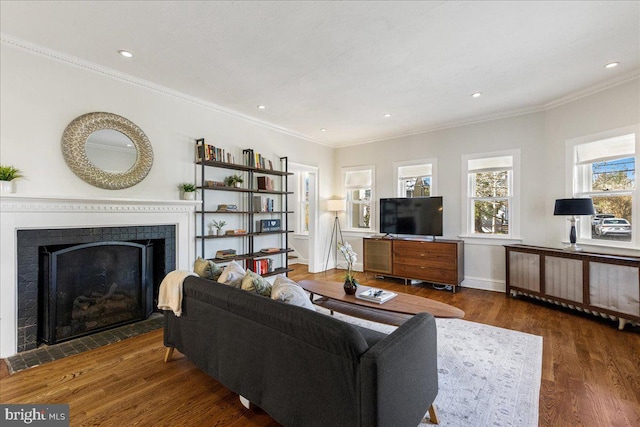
x: 434, y: 261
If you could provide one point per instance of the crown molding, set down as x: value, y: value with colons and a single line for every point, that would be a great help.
x: 117, y: 75
x: 109, y: 72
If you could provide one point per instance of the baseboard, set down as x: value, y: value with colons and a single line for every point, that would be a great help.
x: 484, y: 284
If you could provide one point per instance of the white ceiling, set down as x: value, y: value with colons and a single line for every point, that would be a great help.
x: 342, y: 65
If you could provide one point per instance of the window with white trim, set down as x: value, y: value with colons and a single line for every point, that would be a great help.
x: 303, y: 204
x: 491, y: 202
x: 359, y: 184
x: 416, y: 179
x: 604, y: 170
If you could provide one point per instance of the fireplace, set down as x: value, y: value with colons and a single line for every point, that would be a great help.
x: 91, y: 287
x: 77, y: 281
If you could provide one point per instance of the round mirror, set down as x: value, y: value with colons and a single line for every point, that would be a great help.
x: 110, y: 150
x: 107, y: 150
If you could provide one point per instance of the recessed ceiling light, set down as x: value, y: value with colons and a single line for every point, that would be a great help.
x: 323, y: 130
x: 125, y: 53
x: 476, y: 95
x: 261, y: 107
x: 387, y: 115
x: 612, y: 65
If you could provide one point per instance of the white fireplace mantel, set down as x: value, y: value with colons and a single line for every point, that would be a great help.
x: 19, y: 212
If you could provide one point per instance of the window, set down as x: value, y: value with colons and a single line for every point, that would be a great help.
x: 303, y: 203
x: 604, y: 170
x: 358, y: 183
x: 491, y: 194
x: 416, y: 179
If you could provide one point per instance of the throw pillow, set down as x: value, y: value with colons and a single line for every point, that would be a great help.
x: 255, y: 283
x: 232, y: 275
x: 288, y: 291
x: 206, y: 268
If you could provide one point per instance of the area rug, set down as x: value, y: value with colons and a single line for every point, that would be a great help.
x: 487, y: 376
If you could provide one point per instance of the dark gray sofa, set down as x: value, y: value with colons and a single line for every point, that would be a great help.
x: 302, y: 367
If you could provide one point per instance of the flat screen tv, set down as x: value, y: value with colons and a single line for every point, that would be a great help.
x: 421, y: 216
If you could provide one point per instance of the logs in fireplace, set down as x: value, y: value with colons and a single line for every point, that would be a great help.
x: 91, y: 287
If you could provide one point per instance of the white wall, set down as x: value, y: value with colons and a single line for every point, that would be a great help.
x: 41, y: 95
x: 541, y: 139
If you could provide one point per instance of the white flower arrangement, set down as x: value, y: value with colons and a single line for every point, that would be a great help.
x: 351, y: 257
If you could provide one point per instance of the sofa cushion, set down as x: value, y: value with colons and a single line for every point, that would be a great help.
x: 254, y: 282
x: 232, y: 275
x: 207, y: 269
x: 288, y: 291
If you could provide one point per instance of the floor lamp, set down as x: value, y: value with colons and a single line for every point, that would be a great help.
x: 335, y: 206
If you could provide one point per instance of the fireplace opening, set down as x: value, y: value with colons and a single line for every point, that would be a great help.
x: 87, y: 288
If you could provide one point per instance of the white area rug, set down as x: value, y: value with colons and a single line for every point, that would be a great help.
x: 488, y: 376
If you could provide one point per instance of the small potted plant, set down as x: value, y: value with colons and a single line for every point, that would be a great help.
x: 187, y: 191
x: 7, y: 175
x: 233, y: 181
x: 218, y: 226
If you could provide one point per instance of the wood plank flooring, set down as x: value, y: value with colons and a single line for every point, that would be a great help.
x: 590, y: 375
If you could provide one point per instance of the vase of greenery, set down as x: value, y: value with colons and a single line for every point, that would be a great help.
x: 218, y: 227
x: 233, y: 181
x: 187, y: 191
x: 7, y: 175
x: 350, y: 282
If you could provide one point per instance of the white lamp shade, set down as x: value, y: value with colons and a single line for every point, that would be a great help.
x: 336, y: 205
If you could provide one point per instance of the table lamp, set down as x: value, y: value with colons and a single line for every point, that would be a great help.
x: 573, y: 208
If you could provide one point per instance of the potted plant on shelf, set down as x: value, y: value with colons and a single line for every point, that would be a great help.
x: 233, y: 181
x: 7, y: 175
x: 218, y: 226
x: 187, y: 191
x: 350, y: 283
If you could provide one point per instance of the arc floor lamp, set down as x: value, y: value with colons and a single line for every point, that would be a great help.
x: 336, y: 206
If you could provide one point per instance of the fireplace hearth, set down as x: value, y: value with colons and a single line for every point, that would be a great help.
x: 92, y: 287
x: 103, y: 277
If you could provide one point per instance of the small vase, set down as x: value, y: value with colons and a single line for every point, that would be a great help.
x: 6, y: 187
x: 188, y: 195
x: 350, y: 286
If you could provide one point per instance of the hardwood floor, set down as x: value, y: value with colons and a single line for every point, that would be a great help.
x: 590, y: 375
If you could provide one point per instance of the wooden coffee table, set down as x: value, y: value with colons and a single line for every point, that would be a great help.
x: 403, y: 303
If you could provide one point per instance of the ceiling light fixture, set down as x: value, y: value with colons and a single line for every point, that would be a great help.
x: 612, y: 65
x: 387, y: 115
x: 476, y: 95
x: 323, y: 130
x: 125, y: 53
x: 261, y: 107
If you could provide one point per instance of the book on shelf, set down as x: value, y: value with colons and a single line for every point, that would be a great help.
x: 263, y: 204
x: 236, y: 231
x: 376, y: 295
x: 227, y: 208
x: 270, y: 250
x: 262, y: 266
x: 256, y: 160
x: 208, y: 152
x: 226, y: 253
x: 265, y: 183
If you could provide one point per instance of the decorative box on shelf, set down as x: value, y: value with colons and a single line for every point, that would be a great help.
x: 269, y: 225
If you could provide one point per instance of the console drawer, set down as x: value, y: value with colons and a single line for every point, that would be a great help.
x: 429, y: 274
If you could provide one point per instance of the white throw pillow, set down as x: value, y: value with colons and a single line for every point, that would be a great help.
x: 288, y: 291
x: 232, y: 275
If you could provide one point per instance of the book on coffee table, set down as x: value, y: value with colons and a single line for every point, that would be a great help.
x: 376, y: 295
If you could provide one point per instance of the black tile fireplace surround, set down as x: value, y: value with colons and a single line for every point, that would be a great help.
x: 29, y: 243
